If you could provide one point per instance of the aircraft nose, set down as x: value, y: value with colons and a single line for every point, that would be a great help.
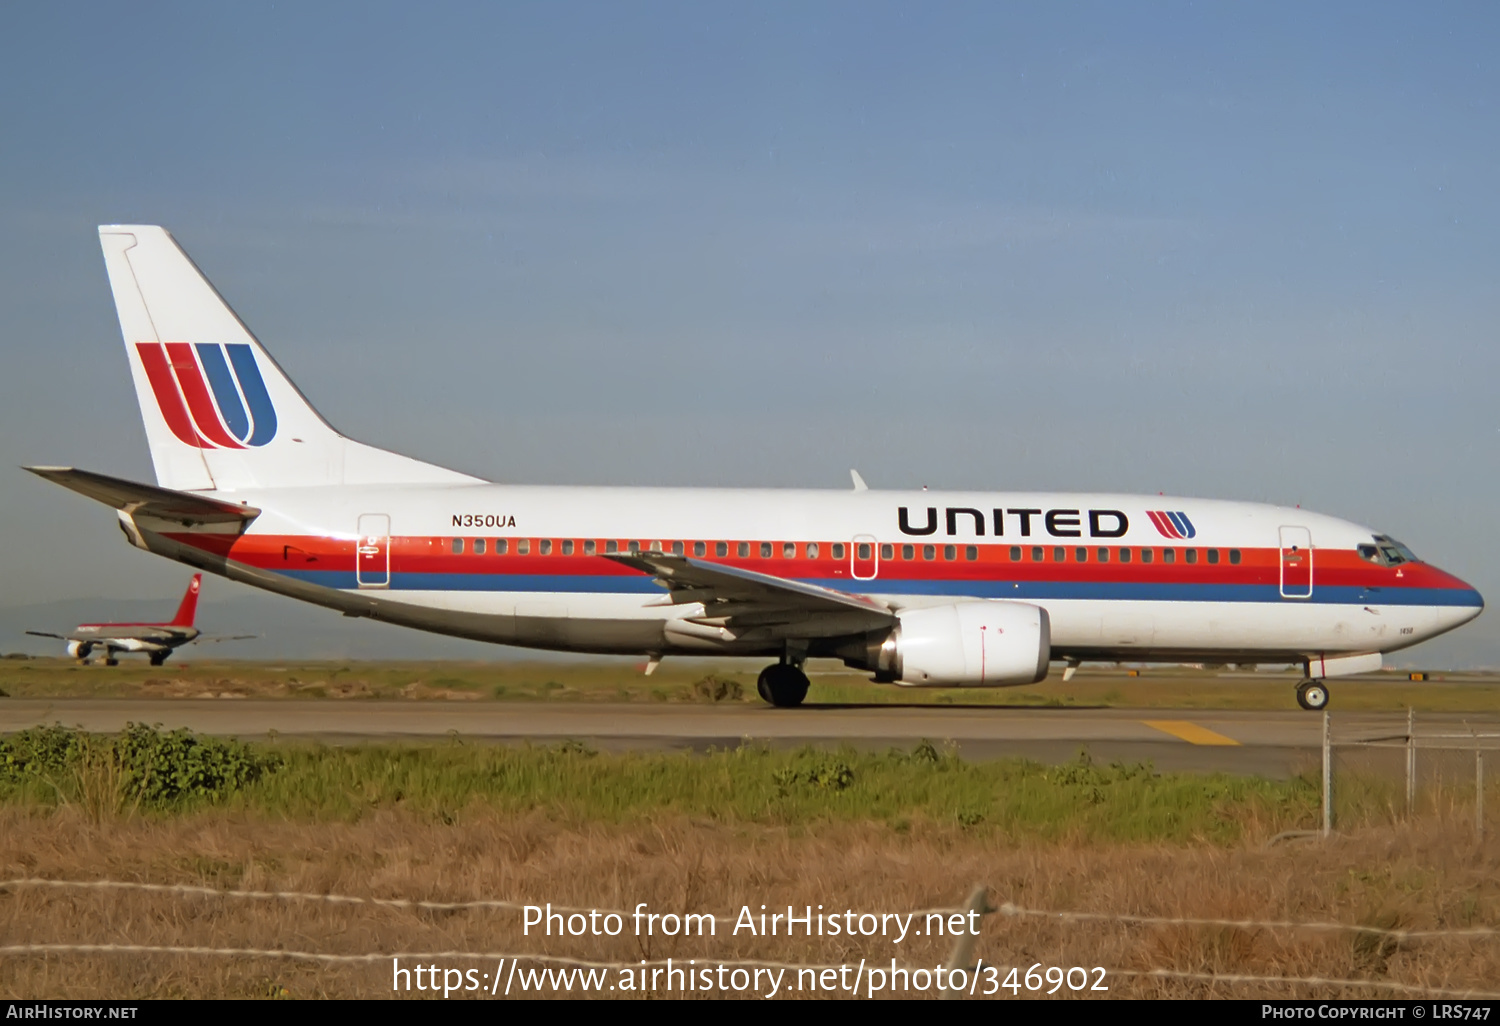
x: 1466, y: 603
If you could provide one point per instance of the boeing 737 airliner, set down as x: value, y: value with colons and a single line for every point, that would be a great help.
x: 919, y: 588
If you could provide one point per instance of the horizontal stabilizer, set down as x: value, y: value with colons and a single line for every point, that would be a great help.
x: 135, y: 498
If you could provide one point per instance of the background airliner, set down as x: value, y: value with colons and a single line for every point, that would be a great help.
x: 919, y: 588
x: 157, y: 640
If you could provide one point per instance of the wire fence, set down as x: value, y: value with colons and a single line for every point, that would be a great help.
x: 960, y: 959
x: 1362, y: 759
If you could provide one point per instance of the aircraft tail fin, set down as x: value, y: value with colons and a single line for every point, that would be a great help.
x: 220, y: 414
x: 189, y: 607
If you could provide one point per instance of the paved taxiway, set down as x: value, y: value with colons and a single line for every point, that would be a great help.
x: 1270, y: 743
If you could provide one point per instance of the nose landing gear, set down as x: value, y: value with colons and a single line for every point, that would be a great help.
x: 784, y: 685
x: 1312, y: 695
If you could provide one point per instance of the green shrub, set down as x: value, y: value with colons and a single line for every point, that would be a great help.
x: 142, y: 766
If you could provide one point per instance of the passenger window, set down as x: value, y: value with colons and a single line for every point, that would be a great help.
x: 568, y: 547
x: 1213, y: 555
x: 838, y: 550
x: 765, y: 550
x: 1169, y: 555
x: 886, y: 552
x: 863, y: 549
x: 1036, y: 554
x: 744, y: 550
x: 1124, y: 555
x: 971, y: 552
x: 1081, y: 555
x: 458, y: 546
x: 1015, y: 553
x: 1059, y: 555
x: 788, y: 550
x: 812, y: 550
x: 1191, y: 555
x: 1146, y: 555
x: 1103, y: 555
x: 611, y: 546
x: 908, y: 552
x: 950, y: 552
x: 677, y: 548
x: 590, y: 547
x: 500, y: 546
x: 700, y: 549
x: 1234, y: 556
x: 478, y: 546
x: 523, y: 546
x: 546, y: 546
x: 634, y: 546
x: 721, y: 548
x: 929, y: 552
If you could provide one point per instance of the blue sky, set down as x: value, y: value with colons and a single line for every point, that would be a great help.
x: 1243, y: 251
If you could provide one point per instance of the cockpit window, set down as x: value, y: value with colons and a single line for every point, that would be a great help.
x: 1387, y: 551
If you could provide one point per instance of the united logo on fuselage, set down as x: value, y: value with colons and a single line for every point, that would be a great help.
x: 1172, y: 524
x: 211, y: 394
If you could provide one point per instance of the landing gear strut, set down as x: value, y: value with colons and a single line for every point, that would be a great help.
x: 157, y: 658
x: 784, y: 685
x: 1313, y: 695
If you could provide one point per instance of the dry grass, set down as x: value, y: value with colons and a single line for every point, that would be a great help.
x: 682, y: 680
x: 1430, y: 874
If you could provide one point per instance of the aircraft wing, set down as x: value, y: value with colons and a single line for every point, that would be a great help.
x: 133, y: 498
x: 744, y: 600
x: 226, y: 637
x: 49, y: 634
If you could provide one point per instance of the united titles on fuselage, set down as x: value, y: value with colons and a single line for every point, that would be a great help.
x: 1059, y: 523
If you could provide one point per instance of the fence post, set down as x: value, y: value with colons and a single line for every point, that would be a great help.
x: 963, y: 948
x: 1479, y: 793
x: 1327, y: 775
x: 1411, y: 760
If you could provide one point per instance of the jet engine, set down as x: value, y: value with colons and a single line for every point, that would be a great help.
x: 79, y: 649
x: 966, y: 644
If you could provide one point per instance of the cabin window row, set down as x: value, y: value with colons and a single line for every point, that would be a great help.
x: 1083, y: 554
x: 590, y: 547
x: 838, y: 551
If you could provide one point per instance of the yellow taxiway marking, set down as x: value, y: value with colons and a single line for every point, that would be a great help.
x: 1190, y: 732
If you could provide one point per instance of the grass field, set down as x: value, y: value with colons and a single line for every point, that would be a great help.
x: 159, y: 774
x: 1425, y: 875
x: 893, y: 832
x: 697, y: 681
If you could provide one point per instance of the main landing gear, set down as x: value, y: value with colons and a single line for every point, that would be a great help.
x: 1312, y: 695
x: 784, y: 685
x: 157, y: 658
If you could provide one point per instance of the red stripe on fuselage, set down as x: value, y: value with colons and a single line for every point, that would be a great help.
x: 418, y: 555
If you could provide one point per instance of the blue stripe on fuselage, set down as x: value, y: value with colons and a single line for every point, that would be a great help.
x: 1098, y: 590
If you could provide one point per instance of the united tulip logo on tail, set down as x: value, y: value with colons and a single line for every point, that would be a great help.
x: 211, y: 394
x: 1172, y: 525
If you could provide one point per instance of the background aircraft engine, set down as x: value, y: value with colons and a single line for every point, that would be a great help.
x: 974, y: 644
x: 79, y: 649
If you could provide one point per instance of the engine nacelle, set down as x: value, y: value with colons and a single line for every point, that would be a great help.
x: 79, y: 649
x: 967, y: 644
